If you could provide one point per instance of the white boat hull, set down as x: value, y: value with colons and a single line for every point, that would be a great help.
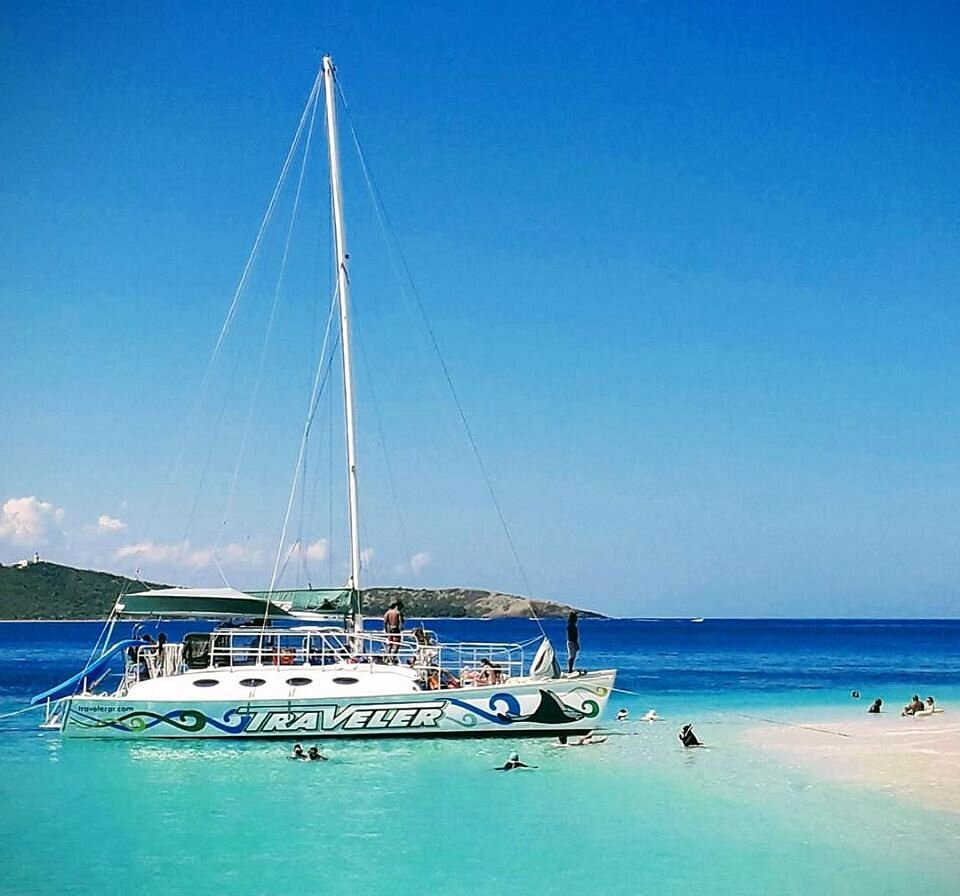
x: 544, y: 707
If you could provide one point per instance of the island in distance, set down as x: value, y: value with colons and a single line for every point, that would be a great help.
x: 43, y: 590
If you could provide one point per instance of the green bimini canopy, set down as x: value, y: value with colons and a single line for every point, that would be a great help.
x: 203, y: 603
x: 331, y: 601
x: 227, y: 603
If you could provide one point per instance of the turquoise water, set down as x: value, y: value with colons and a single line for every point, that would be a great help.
x: 635, y: 815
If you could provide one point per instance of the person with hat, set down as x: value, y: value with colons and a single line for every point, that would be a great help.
x: 512, y: 763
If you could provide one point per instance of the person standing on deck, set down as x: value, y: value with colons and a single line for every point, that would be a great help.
x: 393, y: 625
x: 573, y: 641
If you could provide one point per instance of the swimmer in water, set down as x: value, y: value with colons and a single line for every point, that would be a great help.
x: 314, y: 754
x: 622, y: 715
x: 512, y: 763
x: 687, y: 737
x: 298, y: 752
x: 586, y: 741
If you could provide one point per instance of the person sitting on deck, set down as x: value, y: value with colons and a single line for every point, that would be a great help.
x: 426, y: 654
x: 490, y: 672
x: 687, y: 737
x: 441, y: 679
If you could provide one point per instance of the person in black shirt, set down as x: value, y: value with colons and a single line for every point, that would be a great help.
x: 573, y: 641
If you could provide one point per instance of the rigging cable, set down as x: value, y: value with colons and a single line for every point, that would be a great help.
x: 318, y: 383
x: 388, y: 232
x: 231, y: 312
x: 266, y: 339
x: 383, y: 444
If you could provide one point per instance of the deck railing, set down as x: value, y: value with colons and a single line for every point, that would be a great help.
x: 438, y: 665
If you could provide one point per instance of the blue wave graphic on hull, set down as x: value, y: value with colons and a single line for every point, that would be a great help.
x: 510, y: 703
x: 189, y: 720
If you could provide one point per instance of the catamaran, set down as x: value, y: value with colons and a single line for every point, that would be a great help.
x: 300, y: 663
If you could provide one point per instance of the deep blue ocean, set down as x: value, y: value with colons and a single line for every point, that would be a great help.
x: 635, y: 815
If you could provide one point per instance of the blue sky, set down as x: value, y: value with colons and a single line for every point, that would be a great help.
x: 693, y: 269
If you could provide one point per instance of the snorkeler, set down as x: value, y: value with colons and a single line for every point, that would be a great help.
x: 588, y: 740
x: 512, y: 763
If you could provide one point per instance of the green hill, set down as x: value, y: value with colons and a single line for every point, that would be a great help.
x: 462, y: 602
x: 48, y: 591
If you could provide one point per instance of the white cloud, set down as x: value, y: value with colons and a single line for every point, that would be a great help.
x: 239, y: 553
x: 30, y: 522
x: 181, y: 554
x: 318, y: 550
x: 415, y: 565
x: 419, y: 562
x: 110, y: 524
x: 153, y: 552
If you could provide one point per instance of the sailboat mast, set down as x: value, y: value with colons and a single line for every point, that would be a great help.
x: 343, y: 292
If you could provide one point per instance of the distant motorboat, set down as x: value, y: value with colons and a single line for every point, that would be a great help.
x: 697, y: 619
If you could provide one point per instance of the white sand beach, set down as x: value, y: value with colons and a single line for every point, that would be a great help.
x: 917, y: 759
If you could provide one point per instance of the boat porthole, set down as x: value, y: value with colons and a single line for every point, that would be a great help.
x: 298, y: 682
x: 252, y: 682
x: 345, y: 680
x: 205, y: 682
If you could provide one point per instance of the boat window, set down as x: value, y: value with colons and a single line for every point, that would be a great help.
x: 298, y: 682
x: 205, y: 682
x: 345, y: 680
x: 252, y: 682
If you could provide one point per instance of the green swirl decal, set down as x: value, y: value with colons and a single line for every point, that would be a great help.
x: 189, y: 720
x: 468, y: 720
x: 596, y: 692
x: 590, y: 708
